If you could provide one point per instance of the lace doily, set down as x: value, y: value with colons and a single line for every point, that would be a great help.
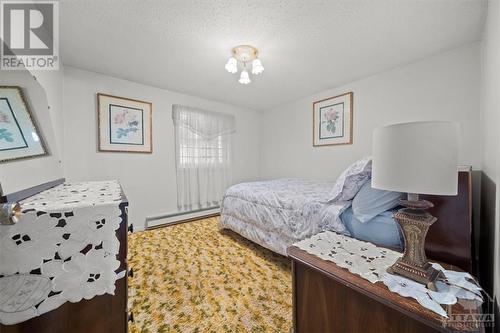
x: 63, y: 248
x: 78, y: 194
x: 371, y: 262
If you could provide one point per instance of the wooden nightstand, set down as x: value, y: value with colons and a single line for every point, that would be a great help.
x: 328, y: 298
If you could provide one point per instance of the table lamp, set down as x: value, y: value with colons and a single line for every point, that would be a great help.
x: 416, y: 158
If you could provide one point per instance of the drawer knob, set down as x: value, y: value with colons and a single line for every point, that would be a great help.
x: 130, y: 317
x: 131, y: 228
x: 131, y: 272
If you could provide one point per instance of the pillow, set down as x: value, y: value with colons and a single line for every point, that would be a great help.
x: 351, y: 180
x: 369, y: 202
x: 382, y: 229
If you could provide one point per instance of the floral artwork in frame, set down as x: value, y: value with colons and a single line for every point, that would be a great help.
x: 125, y: 125
x: 19, y: 135
x: 332, y: 120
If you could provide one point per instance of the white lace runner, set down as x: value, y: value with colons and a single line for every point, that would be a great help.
x: 63, y: 248
x: 371, y: 262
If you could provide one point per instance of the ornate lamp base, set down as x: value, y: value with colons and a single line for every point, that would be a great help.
x: 415, y: 222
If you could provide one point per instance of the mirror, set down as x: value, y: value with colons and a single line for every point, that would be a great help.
x: 28, y: 148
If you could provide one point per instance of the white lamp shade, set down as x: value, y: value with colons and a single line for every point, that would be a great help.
x: 417, y: 157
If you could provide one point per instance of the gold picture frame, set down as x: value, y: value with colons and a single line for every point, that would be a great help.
x: 124, y: 124
x: 20, y: 135
x: 333, y: 120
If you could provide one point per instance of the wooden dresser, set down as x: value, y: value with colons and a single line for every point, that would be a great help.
x: 105, y: 313
x: 328, y: 298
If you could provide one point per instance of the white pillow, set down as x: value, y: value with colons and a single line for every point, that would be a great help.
x: 351, y: 180
x: 369, y: 202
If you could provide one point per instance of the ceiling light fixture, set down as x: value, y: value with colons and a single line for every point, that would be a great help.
x: 244, y: 54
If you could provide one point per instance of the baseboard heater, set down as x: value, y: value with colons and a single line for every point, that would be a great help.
x: 158, y: 221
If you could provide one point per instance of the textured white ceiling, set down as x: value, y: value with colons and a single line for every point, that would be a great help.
x: 306, y: 46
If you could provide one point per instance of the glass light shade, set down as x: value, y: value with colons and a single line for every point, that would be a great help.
x: 257, y: 67
x: 232, y: 65
x: 244, y: 78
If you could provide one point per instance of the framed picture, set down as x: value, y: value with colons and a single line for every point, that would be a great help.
x: 125, y: 125
x: 332, y: 120
x: 19, y: 135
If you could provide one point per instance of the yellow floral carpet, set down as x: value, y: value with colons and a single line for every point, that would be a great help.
x: 191, y: 277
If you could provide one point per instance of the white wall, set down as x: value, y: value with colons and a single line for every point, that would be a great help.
x: 53, y: 84
x: 149, y: 180
x: 444, y: 87
x: 20, y: 174
x: 490, y: 126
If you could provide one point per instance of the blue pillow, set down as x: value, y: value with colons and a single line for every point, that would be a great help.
x: 369, y: 202
x: 382, y: 230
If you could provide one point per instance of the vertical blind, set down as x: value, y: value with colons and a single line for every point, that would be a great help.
x: 203, y: 156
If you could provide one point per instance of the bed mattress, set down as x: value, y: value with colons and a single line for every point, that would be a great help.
x: 278, y: 213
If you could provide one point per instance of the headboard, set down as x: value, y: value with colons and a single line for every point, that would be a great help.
x: 450, y: 238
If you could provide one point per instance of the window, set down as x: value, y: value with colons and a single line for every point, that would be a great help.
x: 203, y: 156
x: 194, y: 150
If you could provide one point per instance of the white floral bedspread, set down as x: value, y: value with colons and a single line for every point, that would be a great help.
x: 63, y: 248
x: 277, y: 213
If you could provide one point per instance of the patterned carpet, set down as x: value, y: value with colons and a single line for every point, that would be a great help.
x: 191, y: 277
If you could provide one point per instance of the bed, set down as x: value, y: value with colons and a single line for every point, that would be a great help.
x: 278, y: 213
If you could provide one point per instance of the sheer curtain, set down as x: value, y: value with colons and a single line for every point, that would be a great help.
x: 203, y: 156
